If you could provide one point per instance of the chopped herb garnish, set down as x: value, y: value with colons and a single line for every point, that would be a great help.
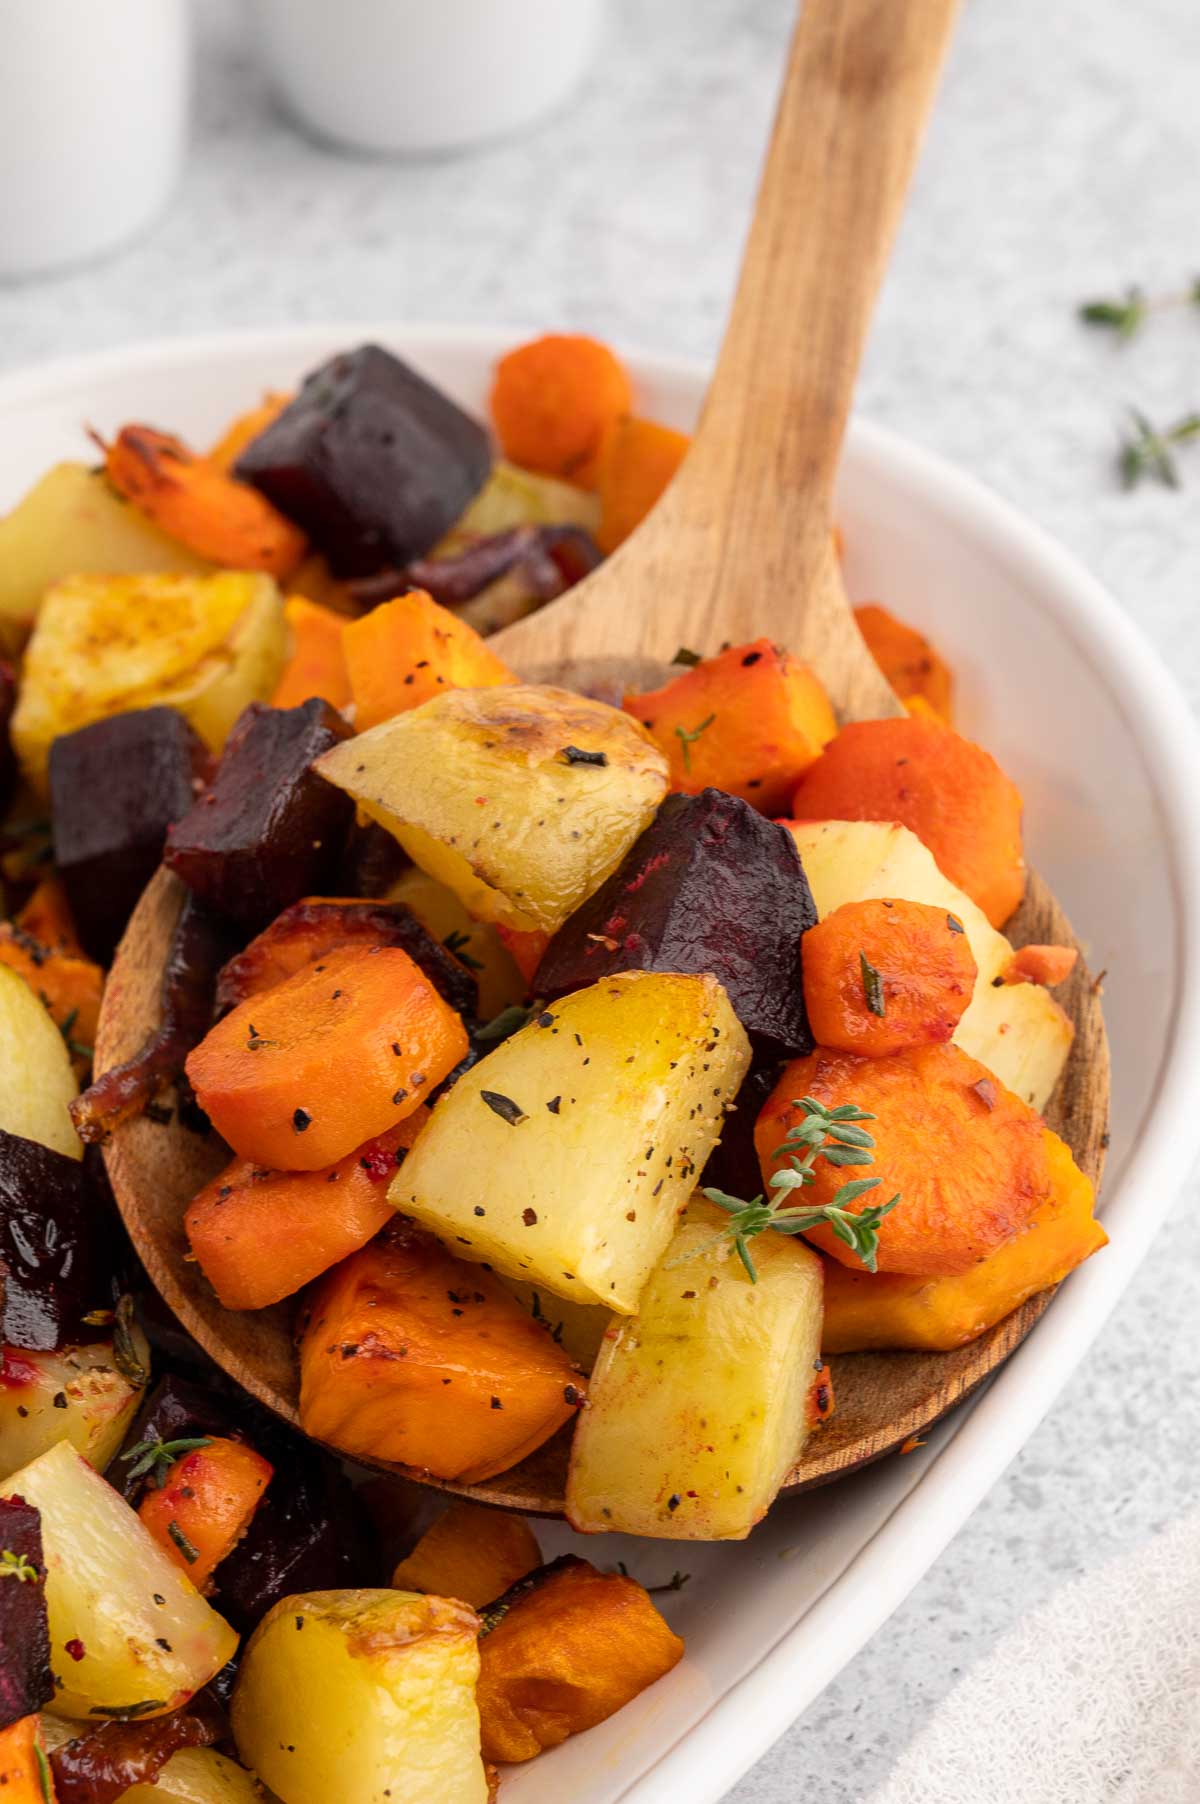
x: 43, y: 1767
x: 504, y: 1106
x: 574, y: 755
x: 301, y: 1120
x: 125, y: 1353
x: 190, y: 1553
x: 509, y: 1021
x: 157, y: 1457
x: 872, y: 984
x: 126, y: 1712
x: 685, y: 655
x: 457, y: 943
x: 954, y: 924
x: 688, y: 739
x: 18, y: 1566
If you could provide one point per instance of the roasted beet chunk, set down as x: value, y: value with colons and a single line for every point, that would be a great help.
x: 371, y: 460
x: 268, y: 830
x: 733, y: 1162
x: 57, y: 1271
x: 115, y: 788
x: 25, y: 1682
x: 711, y: 886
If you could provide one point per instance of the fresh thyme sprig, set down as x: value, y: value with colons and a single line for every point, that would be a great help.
x: 688, y: 738
x: 157, y: 1457
x: 457, y: 942
x: 18, y: 1566
x: 1126, y: 314
x: 1146, y: 449
x: 835, y: 1136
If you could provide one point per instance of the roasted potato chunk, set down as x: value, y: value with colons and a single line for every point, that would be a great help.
x: 149, y: 1639
x: 521, y: 798
x: 1020, y: 1033
x: 477, y: 944
x: 198, y: 1776
x: 563, y: 1156
x: 105, y: 645
x: 36, y: 1079
x: 364, y: 1696
x: 515, y: 497
x: 77, y: 1394
x: 696, y: 1407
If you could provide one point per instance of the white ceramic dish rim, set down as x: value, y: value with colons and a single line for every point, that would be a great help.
x: 737, y: 1727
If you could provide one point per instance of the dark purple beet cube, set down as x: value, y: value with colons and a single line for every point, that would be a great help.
x: 115, y: 788
x: 371, y: 460
x: 711, y: 886
x: 25, y: 1681
x: 267, y: 830
x: 54, y: 1251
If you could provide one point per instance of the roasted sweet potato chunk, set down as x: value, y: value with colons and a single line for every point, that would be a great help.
x: 410, y: 649
x: 1045, y: 965
x: 25, y: 1681
x: 413, y: 1356
x: 267, y: 831
x: 966, y: 1157
x: 633, y: 467
x: 951, y: 793
x: 907, y: 660
x: 200, y: 1506
x: 22, y: 1771
x: 884, y: 1310
x: 566, y: 1648
x: 749, y: 721
x: 554, y: 399
x: 371, y: 460
x: 115, y: 788
x: 309, y: 929
x: 263, y: 1235
x: 68, y: 984
x: 710, y: 886
x: 470, y: 1552
x: 883, y: 975
x: 316, y: 663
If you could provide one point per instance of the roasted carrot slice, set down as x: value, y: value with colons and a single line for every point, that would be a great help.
x: 885, y: 974
x: 246, y: 428
x: 407, y: 650
x: 634, y: 465
x: 195, y: 502
x: 204, y: 1506
x: 749, y: 721
x: 298, y: 1077
x: 907, y: 660
x: 415, y: 1356
x: 526, y: 946
x: 553, y: 401
x: 1048, y: 965
x: 262, y: 1235
x: 470, y: 1552
x: 46, y: 917
x: 317, y: 665
x: 25, y: 1776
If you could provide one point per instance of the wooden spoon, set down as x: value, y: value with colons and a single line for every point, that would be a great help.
x: 740, y: 546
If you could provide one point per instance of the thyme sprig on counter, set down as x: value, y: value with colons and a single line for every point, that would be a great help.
x: 1146, y: 449
x: 835, y: 1136
x: 1127, y: 313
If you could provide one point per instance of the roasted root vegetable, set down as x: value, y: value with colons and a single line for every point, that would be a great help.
x: 37, y: 1083
x: 885, y: 974
x: 749, y: 721
x: 267, y: 831
x: 472, y: 1553
x: 78, y: 1394
x: 587, y: 1130
x: 73, y: 520
x: 413, y: 1356
x: 197, y: 502
x: 262, y: 1235
x: 297, y: 1078
x: 57, y: 1272
x: 94, y: 1763
x: 198, y: 1508
x: 950, y: 791
x: 246, y: 427
x: 885, y: 1310
x: 553, y: 401
x: 907, y: 660
x: 198, y: 1776
x: 24, y: 1775
x: 129, y: 1634
x: 561, y: 1652
x: 696, y: 1406
x: 373, y: 462
x: 115, y: 788
x: 478, y: 945
x: 521, y: 798
x: 709, y: 886
x: 579, y: 1328
x: 316, y: 664
x: 26, y: 1683
x: 67, y: 985
x: 1021, y: 1034
x: 633, y: 467
x: 363, y: 1696
x: 966, y: 1157
x: 104, y: 645
x: 512, y: 498
x: 1048, y: 965
x: 406, y: 651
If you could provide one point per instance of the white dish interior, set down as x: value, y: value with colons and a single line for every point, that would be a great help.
x: 1054, y: 680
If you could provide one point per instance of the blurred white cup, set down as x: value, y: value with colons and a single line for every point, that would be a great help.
x: 395, y: 76
x: 93, y: 119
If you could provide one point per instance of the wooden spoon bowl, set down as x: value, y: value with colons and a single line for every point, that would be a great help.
x: 739, y: 547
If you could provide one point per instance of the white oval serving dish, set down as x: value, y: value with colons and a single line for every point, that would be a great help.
x: 1055, y: 680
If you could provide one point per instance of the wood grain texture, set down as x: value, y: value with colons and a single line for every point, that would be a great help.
x: 739, y: 547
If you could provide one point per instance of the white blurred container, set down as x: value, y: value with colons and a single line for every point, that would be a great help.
x: 411, y: 76
x: 93, y: 120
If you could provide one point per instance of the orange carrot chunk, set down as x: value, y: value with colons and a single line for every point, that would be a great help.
x: 1048, y: 965
x: 408, y: 650
x: 246, y: 428
x: 262, y: 1235
x: 298, y: 1077
x: 24, y: 1779
x: 46, y: 917
x: 880, y: 976
x: 204, y: 1506
x: 950, y: 792
x: 317, y: 665
x: 966, y: 1157
x: 554, y: 399
x: 526, y: 946
x: 414, y: 1356
x: 69, y: 984
x: 471, y: 1552
x: 635, y: 463
x: 213, y: 514
x: 749, y: 721
x: 907, y: 660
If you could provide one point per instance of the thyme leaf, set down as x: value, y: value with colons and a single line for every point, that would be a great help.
x: 157, y: 1457
x: 1146, y: 450
x: 17, y: 1566
x: 872, y: 986
x: 457, y: 942
x: 688, y: 738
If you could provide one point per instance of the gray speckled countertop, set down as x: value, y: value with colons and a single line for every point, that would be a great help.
x: 1063, y: 161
